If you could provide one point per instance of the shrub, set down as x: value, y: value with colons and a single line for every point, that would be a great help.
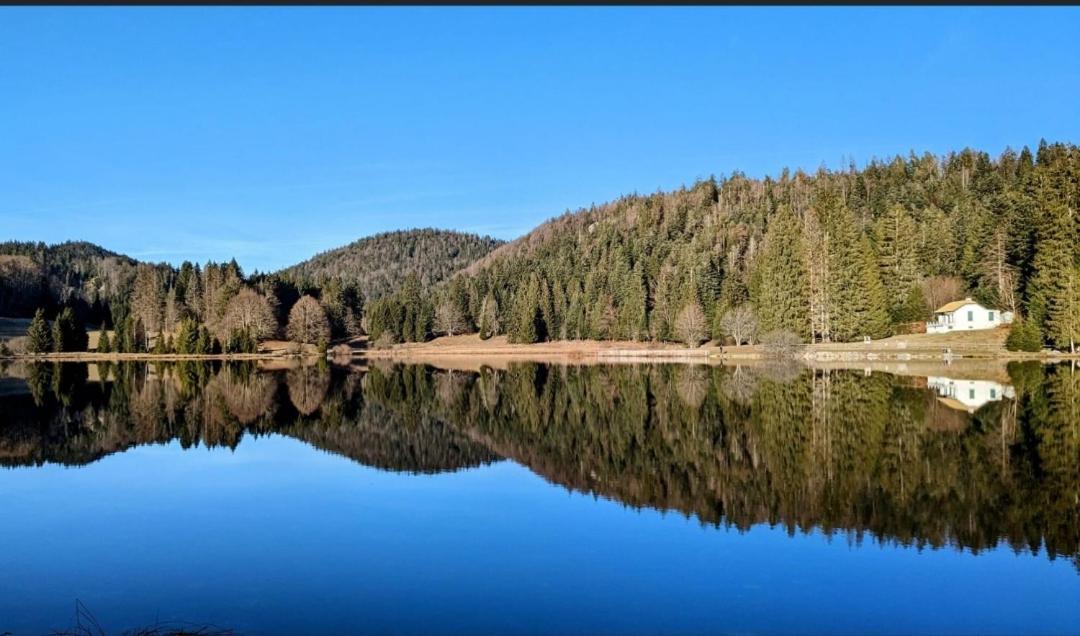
x: 1024, y: 336
x: 781, y: 342
x: 385, y: 340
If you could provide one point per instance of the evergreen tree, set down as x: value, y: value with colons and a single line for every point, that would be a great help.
x: 780, y: 286
x: 526, y: 316
x: 203, y: 343
x: 68, y: 333
x: 57, y: 336
x: 632, y: 306
x: 1051, y: 289
x: 104, y: 344
x: 186, y: 337
x: 857, y: 298
x: 38, y: 335
x: 1024, y: 336
x: 898, y: 264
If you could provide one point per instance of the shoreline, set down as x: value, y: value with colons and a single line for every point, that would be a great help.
x: 897, y: 349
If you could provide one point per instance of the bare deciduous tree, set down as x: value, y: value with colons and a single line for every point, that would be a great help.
x: 449, y: 318
x: 249, y: 311
x: 308, y: 322
x: 939, y: 290
x: 690, y: 325
x: 740, y: 323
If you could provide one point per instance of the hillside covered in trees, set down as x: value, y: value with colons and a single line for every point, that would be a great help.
x: 824, y: 257
x: 76, y: 274
x: 378, y: 264
x: 830, y: 256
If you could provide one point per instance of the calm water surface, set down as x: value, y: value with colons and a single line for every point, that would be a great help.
x: 540, y: 500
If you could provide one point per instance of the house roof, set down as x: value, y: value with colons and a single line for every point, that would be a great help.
x: 954, y: 305
x: 954, y: 403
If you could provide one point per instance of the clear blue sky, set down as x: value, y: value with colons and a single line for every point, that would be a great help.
x: 268, y: 134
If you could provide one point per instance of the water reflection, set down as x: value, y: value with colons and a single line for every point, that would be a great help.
x: 889, y: 457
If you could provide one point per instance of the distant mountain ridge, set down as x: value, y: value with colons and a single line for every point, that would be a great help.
x: 378, y: 264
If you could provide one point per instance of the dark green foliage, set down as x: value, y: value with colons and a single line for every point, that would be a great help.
x: 68, y: 333
x: 241, y: 341
x: 38, y: 334
x: 104, y: 343
x: 857, y: 300
x: 1024, y: 335
x: 204, y: 344
x: 527, y: 322
x: 187, y: 336
x: 913, y: 309
x: 779, y: 287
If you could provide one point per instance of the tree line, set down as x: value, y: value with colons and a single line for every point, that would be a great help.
x: 206, y: 309
x: 837, y: 255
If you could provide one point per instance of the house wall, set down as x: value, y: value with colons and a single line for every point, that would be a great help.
x: 967, y: 318
x: 971, y: 393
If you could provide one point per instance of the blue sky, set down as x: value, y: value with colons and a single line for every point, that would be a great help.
x: 268, y: 134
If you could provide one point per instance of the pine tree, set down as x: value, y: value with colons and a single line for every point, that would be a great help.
x: 857, y: 299
x: 104, y: 344
x: 632, y: 306
x: 68, y: 333
x: 780, y: 286
x: 186, y: 336
x: 898, y: 264
x: 38, y: 335
x: 57, y: 336
x: 1049, y: 304
x: 204, y: 344
x: 1024, y: 336
x: 526, y: 314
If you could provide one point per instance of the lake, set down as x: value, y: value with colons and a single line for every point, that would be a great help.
x: 535, y: 499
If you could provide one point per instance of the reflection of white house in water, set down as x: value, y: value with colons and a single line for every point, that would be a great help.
x: 968, y: 395
x: 966, y: 315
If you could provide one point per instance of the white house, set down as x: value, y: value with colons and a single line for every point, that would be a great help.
x: 968, y: 395
x: 966, y: 315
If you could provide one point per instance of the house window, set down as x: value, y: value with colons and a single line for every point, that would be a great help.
x: 991, y: 316
x: 993, y: 394
x: 971, y: 394
x: 971, y: 315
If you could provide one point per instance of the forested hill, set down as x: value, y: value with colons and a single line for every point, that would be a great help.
x: 378, y: 264
x: 834, y: 255
x: 74, y: 273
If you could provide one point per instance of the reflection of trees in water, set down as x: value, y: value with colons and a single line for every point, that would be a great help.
x: 308, y: 386
x: 834, y: 450
x: 247, y: 395
x: 825, y: 449
x: 65, y: 419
